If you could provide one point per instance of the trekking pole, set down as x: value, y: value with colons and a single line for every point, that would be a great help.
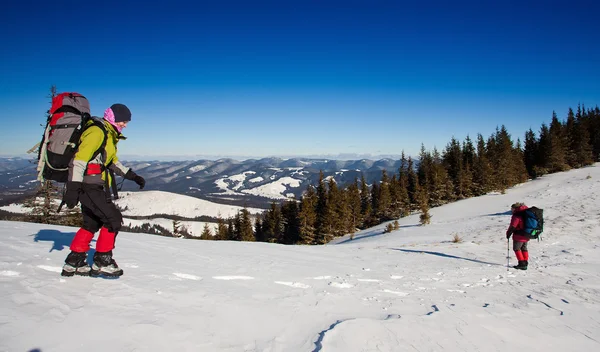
x: 507, y: 254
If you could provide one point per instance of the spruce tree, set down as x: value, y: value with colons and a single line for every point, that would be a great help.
x: 308, y: 216
x: 384, y: 199
x: 365, y: 202
x: 221, y: 231
x: 259, y: 233
x: 206, y: 233
x: 544, y: 149
x: 403, y: 196
x: 581, y: 142
x: 413, y: 183
x: 558, y: 153
x: 482, y: 171
x: 354, y: 206
x: 273, y: 224
x: 246, y: 233
x: 291, y: 222
x: 530, y: 153
x: 323, y: 223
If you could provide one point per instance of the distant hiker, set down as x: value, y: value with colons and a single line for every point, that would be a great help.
x: 91, y: 178
x: 520, y: 239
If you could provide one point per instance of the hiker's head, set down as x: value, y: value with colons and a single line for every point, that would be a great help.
x: 118, y: 115
x: 516, y: 206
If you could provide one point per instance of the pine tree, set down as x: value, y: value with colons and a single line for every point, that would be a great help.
x: 366, y: 204
x: 519, y: 162
x: 581, y: 142
x: 323, y: 223
x: 453, y: 161
x: 440, y: 187
x: 482, y: 171
x: 291, y: 222
x: 354, y: 206
x: 273, y: 224
x: 43, y: 204
x: 425, y: 217
x: 544, y: 150
x: 246, y: 233
x: 403, y: 196
x: 530, y: 153
x: 259, y: 233
x: 308, y: 216
x: 206, y: 233
x: 222, y: 232
x: 413, y: 184
x: 558, y: 154
x: 334, y: 222
x: 505, y: 173
x: 468, y: 153
x: 384, y: 199
x: 231, y: 235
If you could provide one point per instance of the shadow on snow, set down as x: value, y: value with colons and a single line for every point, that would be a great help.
x: 439, y: 254
x: 373, y: 234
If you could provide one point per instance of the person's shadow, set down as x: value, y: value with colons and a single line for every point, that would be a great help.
x: 60, y: 240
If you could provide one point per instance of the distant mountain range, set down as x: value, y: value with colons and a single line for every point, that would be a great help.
x: 252, y: 182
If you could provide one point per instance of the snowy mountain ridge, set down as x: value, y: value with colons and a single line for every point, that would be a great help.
x: 255, y: 181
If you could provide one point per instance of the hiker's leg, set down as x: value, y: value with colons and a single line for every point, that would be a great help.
x: 83, y: 237
x: 517, y: 246
x: 106, y: 240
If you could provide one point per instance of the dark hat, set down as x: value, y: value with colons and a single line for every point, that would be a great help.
x: 121, y: 112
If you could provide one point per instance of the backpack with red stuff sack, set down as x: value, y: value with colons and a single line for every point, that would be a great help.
x: 67, y: 119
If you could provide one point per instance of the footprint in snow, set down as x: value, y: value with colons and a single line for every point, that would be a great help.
x: 233, y: 278
x: 292, y: 284
x: 187, y: 276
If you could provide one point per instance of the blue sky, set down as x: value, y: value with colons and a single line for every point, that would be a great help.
x: 296, y: 78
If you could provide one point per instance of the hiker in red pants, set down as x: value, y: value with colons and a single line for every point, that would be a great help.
x: 519, y: 240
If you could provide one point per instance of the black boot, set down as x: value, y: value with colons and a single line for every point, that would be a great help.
x: 105, y: 265
x: 525, y: 264
x: 522, y: 265
x: 76, y: 264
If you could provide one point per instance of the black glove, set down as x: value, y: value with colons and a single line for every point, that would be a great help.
x: 507, y: 235
x: 71, y: 196
x: 130, y: 175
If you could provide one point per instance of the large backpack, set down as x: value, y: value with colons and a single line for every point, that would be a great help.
x: 67, y: 119
x: 533, y: 222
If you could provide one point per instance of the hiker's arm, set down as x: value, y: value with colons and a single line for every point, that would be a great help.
x: 127, y: 173
x: 510, y: 231
x: 119, y: 168
x: 91, y: 141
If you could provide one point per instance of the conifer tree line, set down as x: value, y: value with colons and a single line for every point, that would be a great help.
x: 463, y: 169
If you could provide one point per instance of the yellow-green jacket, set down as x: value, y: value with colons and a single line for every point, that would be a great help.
x: 90, y: 141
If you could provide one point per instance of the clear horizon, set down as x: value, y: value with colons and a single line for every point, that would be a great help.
x: 268, y: 78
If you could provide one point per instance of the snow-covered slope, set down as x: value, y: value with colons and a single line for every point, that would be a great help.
x: 412, y: 289
x: 158, y: 202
